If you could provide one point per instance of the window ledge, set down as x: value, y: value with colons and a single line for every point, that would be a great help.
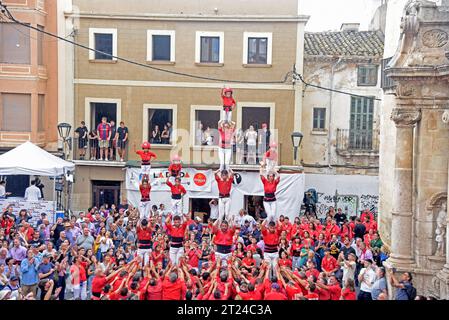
x: 256, y: 65
x: 319, y: 132
x: 162, y: 62
x: 201, y: 148
x: 207, y: 64
x: 162, y: 146
x: 102, y: 61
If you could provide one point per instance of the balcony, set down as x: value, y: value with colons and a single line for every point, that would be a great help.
x: 357, y: 142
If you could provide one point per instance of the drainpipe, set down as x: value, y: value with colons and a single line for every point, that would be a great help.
x: 331, y: 96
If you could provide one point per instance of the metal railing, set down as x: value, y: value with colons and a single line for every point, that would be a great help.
x: 92, y: 152
x: 358, y: 140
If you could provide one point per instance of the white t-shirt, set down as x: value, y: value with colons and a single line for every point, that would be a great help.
x: 2, y: 191
x: 251, y: 138
x: 348, y: 271
x: 368, y: 276
x: 32, y: 193
x: 213, y: 211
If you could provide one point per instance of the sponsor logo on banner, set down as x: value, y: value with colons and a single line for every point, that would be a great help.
x: 237, y: 179
x: 200, y: 179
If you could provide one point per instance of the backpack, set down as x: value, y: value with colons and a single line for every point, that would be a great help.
x: 411, y: 292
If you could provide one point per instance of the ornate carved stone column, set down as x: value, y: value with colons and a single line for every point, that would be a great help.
x: 402, y: 213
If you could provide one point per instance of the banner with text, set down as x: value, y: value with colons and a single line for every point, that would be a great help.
x: 34, y: 208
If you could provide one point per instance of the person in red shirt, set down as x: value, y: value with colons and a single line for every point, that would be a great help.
x: 275, y: 293
x: 6, y: 223
x: 332, y: 287
x: 177, y: 231
x: 193, y: 255
x: 248, y: 291
x: 270, y: 158
x: 271, y: 236
x: 332, y: 229
x: 173, y: 286
x: 144, y: 239
x: 145, y: 155
x: 223, y: 239
x: 100, y: 280
x: 177, y: 192
x: 104, y: 135
x: 248, y: 262
x: 226, y: 131
x: 367, y: 213
x: 175, y: 166
x: 157, y: 256
x: 79, y: 278
x: 348, y: 292
x: 153, y: 288
x: 228, y: 104
x: 296, y: 228
x: 144, y: 204
x: 312, y: 295
x: 269, y: 186
x: 284, y: 260
x: 224, y: 183
x: 329, y: 264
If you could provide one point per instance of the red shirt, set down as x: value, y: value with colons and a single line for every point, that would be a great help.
x: 270, y: 238
x: 269, y: 187
x: 146, y: 156
x: 176, y: 189
x: 323, y: 294
x: 223, y: 238
x: 334, y: 291
x: 155, y: 292
x: 271, y: 155
x: 225, y: 137
x: 224, y: 187
x: 347, y: 294
x: 173, y: 291
x: 251, y: 295
x: 228, y: 101
x: 98, y: 284
x: 145, y: 192
x: 312, y: 296
x: 104, y: 130
x: 7, y: 224
x: 193, y: 258
x: 275, y: 296
x: 313, y: 272
x: 328, y: 264
x: 293, y: 292
x: 248, y: 262
x: 157, y: 257
x: 144, y: 237
x: 285, y: 263
x: 175, y: 169
x: 177, y: 232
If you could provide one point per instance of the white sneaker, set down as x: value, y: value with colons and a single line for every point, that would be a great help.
x: 121, y: 160
x: 106, y: 159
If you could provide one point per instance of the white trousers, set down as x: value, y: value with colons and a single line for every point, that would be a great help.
x: 176, y: 205
x: 271, y: 165
x: 223, y: 257
x: 144, y: 210
x: 224, y: 208
x: 80, y: 290
x: 270, y: 209
x: 225, y: 156
x: 145, y: 170
x: 145, y: 255
x: 176, y: 254
x: 226, y: 116
x: 271, y: 258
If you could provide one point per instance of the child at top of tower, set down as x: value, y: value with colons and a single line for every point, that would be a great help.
x: 228, y: 104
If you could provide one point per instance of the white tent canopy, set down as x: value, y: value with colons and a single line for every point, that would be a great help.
x: 29, y: 159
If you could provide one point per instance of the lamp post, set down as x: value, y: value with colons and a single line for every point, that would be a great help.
x: 64, y: 133
x: 296, y: 141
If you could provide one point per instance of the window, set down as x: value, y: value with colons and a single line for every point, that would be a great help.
x: 361, y: 123
x: 41, y: 113
x: 16, y: 112
x: 160, y: 126
x: 367, y: 75
x: 206, y: 127
x: 319, y: 119
x: 40, y: 49
x: 386, y: 82
x: 257, y: 48
x: 104, y: 40
x: 14, y: 44
x: 209, y: 47
x: 161, y: 45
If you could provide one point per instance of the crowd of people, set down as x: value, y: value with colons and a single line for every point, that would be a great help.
x: 112, y: 254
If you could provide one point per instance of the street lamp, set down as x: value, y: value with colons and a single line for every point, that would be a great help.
x: 64, y: 133
x: 296, y: 141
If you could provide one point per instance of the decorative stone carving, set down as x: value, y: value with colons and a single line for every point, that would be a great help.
x: 435, y: 38
x: 406, y: 90
x: 445, y: 117
x: 405, y: 117
x: 440, y: 231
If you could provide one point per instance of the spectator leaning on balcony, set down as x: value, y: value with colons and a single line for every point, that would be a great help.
x: 82, y: 133
x: 104, y: 135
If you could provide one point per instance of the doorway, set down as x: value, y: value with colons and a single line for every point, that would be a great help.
x: 200, y: 206
x: 255, y: 116
x: 100, y: 110
x: 105, y: 192
x: 251, y: 204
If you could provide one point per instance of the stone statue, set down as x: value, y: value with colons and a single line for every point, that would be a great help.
x: 445, y: 117
x: 440, y: 231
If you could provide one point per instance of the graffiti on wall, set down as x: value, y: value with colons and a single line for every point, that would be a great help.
x: 350, y: 204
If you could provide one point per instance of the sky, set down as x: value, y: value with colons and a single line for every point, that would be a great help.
x: 328, y: 15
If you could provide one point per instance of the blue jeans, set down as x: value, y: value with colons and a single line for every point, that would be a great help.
x: 295, y: 262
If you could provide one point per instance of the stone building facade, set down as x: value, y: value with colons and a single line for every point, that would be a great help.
x: 414, y: 186
x: 341, y: 132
